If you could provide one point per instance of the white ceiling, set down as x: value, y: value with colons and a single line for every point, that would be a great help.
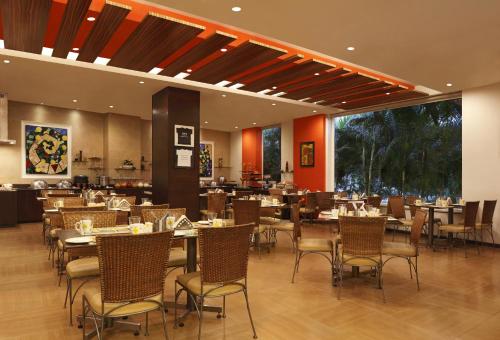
x: 425, y: 42
x: 56, y: 82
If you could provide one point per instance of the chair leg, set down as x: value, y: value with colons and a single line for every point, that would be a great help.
x: 416, y: 272
x: 249, y: 313
x: 177, y: 293
x: 146, y: 331
x: 491, y: 233
x: 298, y: 255
x: 164, y: 321
x: 409, y: 264
x: 466, y: 235
x: 224, y: 306
x: 201, y: 317
x: 340, y: 273
x: 381, y: 281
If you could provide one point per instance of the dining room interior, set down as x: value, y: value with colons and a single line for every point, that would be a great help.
x: 169, y: 166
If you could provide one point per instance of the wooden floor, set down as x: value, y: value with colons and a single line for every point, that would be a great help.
x: 459, y: 299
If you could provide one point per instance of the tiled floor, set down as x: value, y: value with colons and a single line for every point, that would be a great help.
x: 459, y: 298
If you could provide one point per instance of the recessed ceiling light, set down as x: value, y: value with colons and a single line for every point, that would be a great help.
x: 315, y: 111
x: 111, y: 106
x: 206, y: 122
x: 387, y: 93
x: 90, y: 18
x: 447, y: 84
x: 235, y: 127
x: 223, y: 49
x: 76, y: 49
x: 74, y: 100
x: 223, y: 95
x: 141, y: 81
x: 6, y: 61
x: 189, y: 70
x: 344, y: 102
x: 273, y: 104
x: 350, y: 48
x: 274, y: 87
x: 316, y: 74
x: 236, y: 9
x: 41, y: 103
x: 254, y: 123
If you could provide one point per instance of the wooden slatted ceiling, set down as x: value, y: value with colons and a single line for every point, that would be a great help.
x: 305, y: 69
x: 267, y: 70
x: 341, y: 83
x: 104, y: 27
x: 236, y: 60
x: 362, y: 94
x: 25, y: 24
x: 210, y: 45
x: 156, y: 38
x: 74, y: 14
x: 381, y: 99
x: 311, y: 82
x: 356, y: 89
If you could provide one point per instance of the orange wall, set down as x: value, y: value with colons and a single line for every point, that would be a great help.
x: 251, y: 141
x: 309, y: 129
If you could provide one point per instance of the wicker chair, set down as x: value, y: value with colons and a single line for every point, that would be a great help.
x: 276, y: 193
x: 311, y: 207
x: 248, y: 211
x: 130, y: 199
x: 408, y: 251
x: 396, y: 205
x: 306, y: 246
x: 239, y: 194
x: 132, y: 276
x: 216, y: 203
x: 467, y: 229
x: 410, y: 200
x: 374, y: 201
x: 85, y: 268
x: 136, y: 210
x: 46, y: 192
x: 63, y: 195
x: 178, y: 256
x: 487, y: 220
x: 324, y: 200
x: 362, y: 240
x: 223, y: 268
x: 103, y: 198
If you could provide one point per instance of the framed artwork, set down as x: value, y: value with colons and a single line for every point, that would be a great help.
x: 184, y: 136
x: 307, y: 154
x: 183, y: 158
x: 206, y: 160
x: 46, y: 150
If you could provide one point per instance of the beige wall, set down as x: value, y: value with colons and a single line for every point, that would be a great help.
x: 235, y: 158
x: 111, y: 136
x: 481, y: 147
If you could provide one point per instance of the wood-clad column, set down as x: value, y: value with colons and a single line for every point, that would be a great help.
x: 177, y: 186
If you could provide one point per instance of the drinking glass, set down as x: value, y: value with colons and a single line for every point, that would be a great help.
x: 145, y: 200
x: 211, y: 216
x: 134, y: 220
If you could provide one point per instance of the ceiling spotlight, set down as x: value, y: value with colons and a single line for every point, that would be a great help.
x: 206, y: 122
x: 189, y: 70
x: 141, y: 81
x: 76, y: 49
x: 236, y: 9
x: 274, y: 87
x: 350, y: 48
x: 74, y: 100
x: 223, y: 95
x: 111, y: 106
x: 273, y: 104
x: 447, y: 84
x: 344, y: 102
x: 254, y: 123
x: 316, y: 74
x: 91, y: 19
x: 6, y: 61
x: 387, y: 93
x: 315, y: 111
x: 41, y: 103
x: 223, y: 49
x: 235, y: 127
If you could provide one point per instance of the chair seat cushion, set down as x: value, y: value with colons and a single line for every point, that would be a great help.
x: 361, y: 261
x: 399, y: 249
x: 86, y: 266
x: 455, y: 228
x: 60, y: 245
x: 93, y: 295
x: 192, y: 282
x: 405, y: 222
x: 53, y: 232
x: 269, y: 220
x: 284, y: 226
x: 315, y: 244
x: 305, y: 210
x: 178, y: 258
x: 260, y: 229
x: 484, y: 226
x: 204, y: 212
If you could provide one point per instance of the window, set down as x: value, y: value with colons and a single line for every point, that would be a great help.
x: 411, y: 150
x: 271, y: 141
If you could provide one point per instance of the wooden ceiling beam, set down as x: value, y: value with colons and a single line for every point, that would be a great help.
x: 236, y: 60
x: 24, y: 24
x: 268, y: 70
x: 363, y: 94
x: 311, y: 82
x: 74, y: 14
x: 306, y: 70
x: 154, y: 39
x: 103, y: 29
x: 205, y: 48
x: 344, y: 82
x: 381, y: 99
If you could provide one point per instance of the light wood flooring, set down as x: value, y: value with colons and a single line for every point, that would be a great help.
x: 459, y: 298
